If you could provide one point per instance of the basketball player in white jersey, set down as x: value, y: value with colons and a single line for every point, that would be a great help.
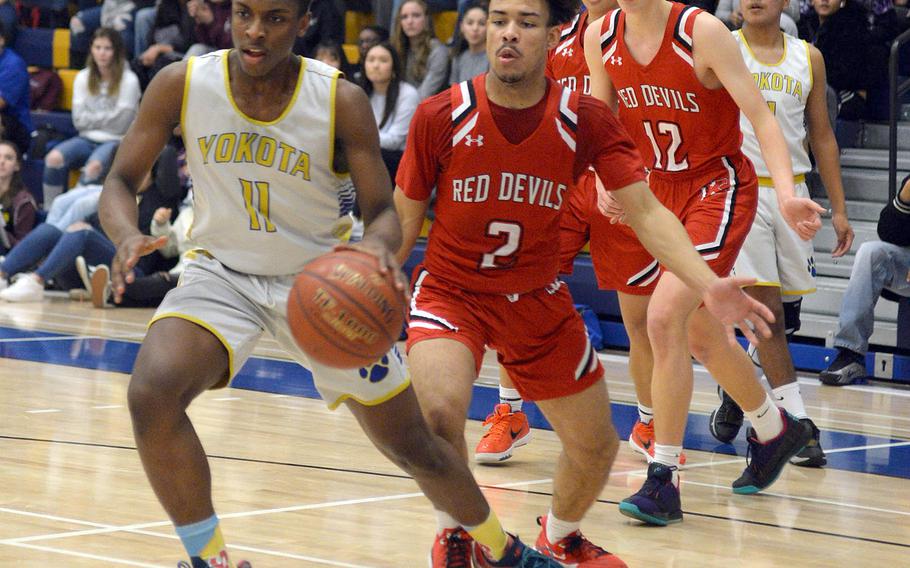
x: 270, y: 138
x: 790, y: 74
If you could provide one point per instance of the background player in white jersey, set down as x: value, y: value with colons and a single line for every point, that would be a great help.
x: 790, y: 74
x: 269, y: 136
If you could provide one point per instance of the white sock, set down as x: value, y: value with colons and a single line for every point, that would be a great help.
x: 766, y: 420
x: 789, y: 398
x: 445, y: 521
x: 558, y: 529
x: 510, y: 397
x: 645, y: 413
x: 668, y: 455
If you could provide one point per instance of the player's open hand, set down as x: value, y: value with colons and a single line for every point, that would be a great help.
x: 803, y: 215
x: 844, y: 233
x: 128, y: 254
x: 727, y: 302
x: 387, y: 262
x: 607, y: 204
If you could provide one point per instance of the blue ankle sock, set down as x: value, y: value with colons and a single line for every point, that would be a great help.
x: 198, y: 537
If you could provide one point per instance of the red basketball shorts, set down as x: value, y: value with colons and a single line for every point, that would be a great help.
x: 716, y: 207
x: 539, y: 337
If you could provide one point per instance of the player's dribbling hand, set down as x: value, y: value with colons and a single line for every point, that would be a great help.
x: 803, y: 215
x: 387, y: 261
x: 128, y: 254
x: 727, y: 302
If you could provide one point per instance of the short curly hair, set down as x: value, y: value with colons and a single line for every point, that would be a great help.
x: 561, y: 11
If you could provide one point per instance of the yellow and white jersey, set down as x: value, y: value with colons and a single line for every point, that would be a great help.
x: 785, y: 85
x: 266, y: 197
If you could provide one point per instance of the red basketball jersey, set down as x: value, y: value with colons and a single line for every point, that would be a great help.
x: 566, y: 62
x: 498, y: 203
x: 677, y: 123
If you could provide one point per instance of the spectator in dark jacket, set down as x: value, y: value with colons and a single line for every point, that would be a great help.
x: 8, y: 19
x: 18, y: 209
x: 326, y: 25
x: 879, y: 265
x: 840, y: 31
x: 213, y: 26
x: 15, y: 120
x: 168, y: 40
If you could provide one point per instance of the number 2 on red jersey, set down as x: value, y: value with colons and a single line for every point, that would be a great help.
x: 505, y: 256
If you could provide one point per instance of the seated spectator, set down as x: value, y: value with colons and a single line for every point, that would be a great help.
x: 114, y: 14
x: 68, y: 234
x: 332, y: 54
x: 393, y: 100
x: 73, y: 206
x: 838, y: 28
x: 434, y: 6
x: 18, y: 209
x: 8, y: 18
x: 730, y: 13
x: 368, y: 37
x: 879, y: 265
x: 105, y: 99
x: 425, y: 58
x: 213, y: 26
x: 168, y: 39
x: 147, y: 291
x: 469, y: 49
x: 326, y: 25
x: 15, y: 120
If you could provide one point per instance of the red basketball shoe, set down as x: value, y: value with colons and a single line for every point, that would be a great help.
x: 506, y: 430
x: 451, y: 549
x: 642, y: 441
x: 575, y: 550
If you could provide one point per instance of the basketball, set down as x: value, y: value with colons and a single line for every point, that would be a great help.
x: 342, y: 312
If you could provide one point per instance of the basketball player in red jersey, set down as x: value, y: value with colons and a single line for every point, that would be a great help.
x: 503, y: 150
x: 681, y: 83
x: 507, y: 427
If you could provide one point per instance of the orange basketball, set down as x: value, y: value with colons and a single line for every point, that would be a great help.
x: 343, y: 312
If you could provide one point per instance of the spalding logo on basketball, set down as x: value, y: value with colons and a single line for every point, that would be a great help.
x: 343, y: 312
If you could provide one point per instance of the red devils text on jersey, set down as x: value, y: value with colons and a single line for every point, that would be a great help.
x: 677, y: 123
x: 566, y: 62
x: 498, y: 203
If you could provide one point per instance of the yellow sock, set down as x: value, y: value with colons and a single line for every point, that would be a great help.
x: 215, y: 550
x: 491, y: 535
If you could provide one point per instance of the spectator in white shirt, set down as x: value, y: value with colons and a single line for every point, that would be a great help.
x: 393, y: 100
x: 105, y: 99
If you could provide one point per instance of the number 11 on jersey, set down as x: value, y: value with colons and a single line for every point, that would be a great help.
x: 260, y: 207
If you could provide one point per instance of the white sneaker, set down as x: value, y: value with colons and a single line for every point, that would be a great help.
x: 84, y: 274
x: 101, y: 286
x: 24, y: 289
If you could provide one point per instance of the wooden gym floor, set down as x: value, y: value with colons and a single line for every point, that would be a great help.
x: 297, y: 485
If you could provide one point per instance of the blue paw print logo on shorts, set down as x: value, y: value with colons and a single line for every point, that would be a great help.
x: 811, y: 266
x: 377, y: 371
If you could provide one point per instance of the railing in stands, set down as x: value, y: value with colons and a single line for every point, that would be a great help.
x: 896, y: 91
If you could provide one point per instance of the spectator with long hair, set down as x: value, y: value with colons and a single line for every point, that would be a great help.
x: 105, y: 99
x: 393, y: 100
x: 166, y: 40
x: 331, y: 53
x: 469, y: 49
x: 18, y: 209
x: 424, y: 58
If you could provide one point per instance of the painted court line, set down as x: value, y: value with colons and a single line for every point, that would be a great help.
x: 78, y: 554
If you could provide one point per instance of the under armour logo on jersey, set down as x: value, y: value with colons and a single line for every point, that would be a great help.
x: 616, y: 60
x: 468, y: 141
x: 568, y: 52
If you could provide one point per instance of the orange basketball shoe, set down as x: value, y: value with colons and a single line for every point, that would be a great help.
x: 451, y: 549
x: 575, y: 550
x: 506, y: 430
x: 642, y: 441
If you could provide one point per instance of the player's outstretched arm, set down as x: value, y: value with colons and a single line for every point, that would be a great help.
x: 715, y: 46
x: 601, y: 86
x: 159, y: 114
x: 827, y: 154
x: 666, y: 239
x: 356, y: 130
